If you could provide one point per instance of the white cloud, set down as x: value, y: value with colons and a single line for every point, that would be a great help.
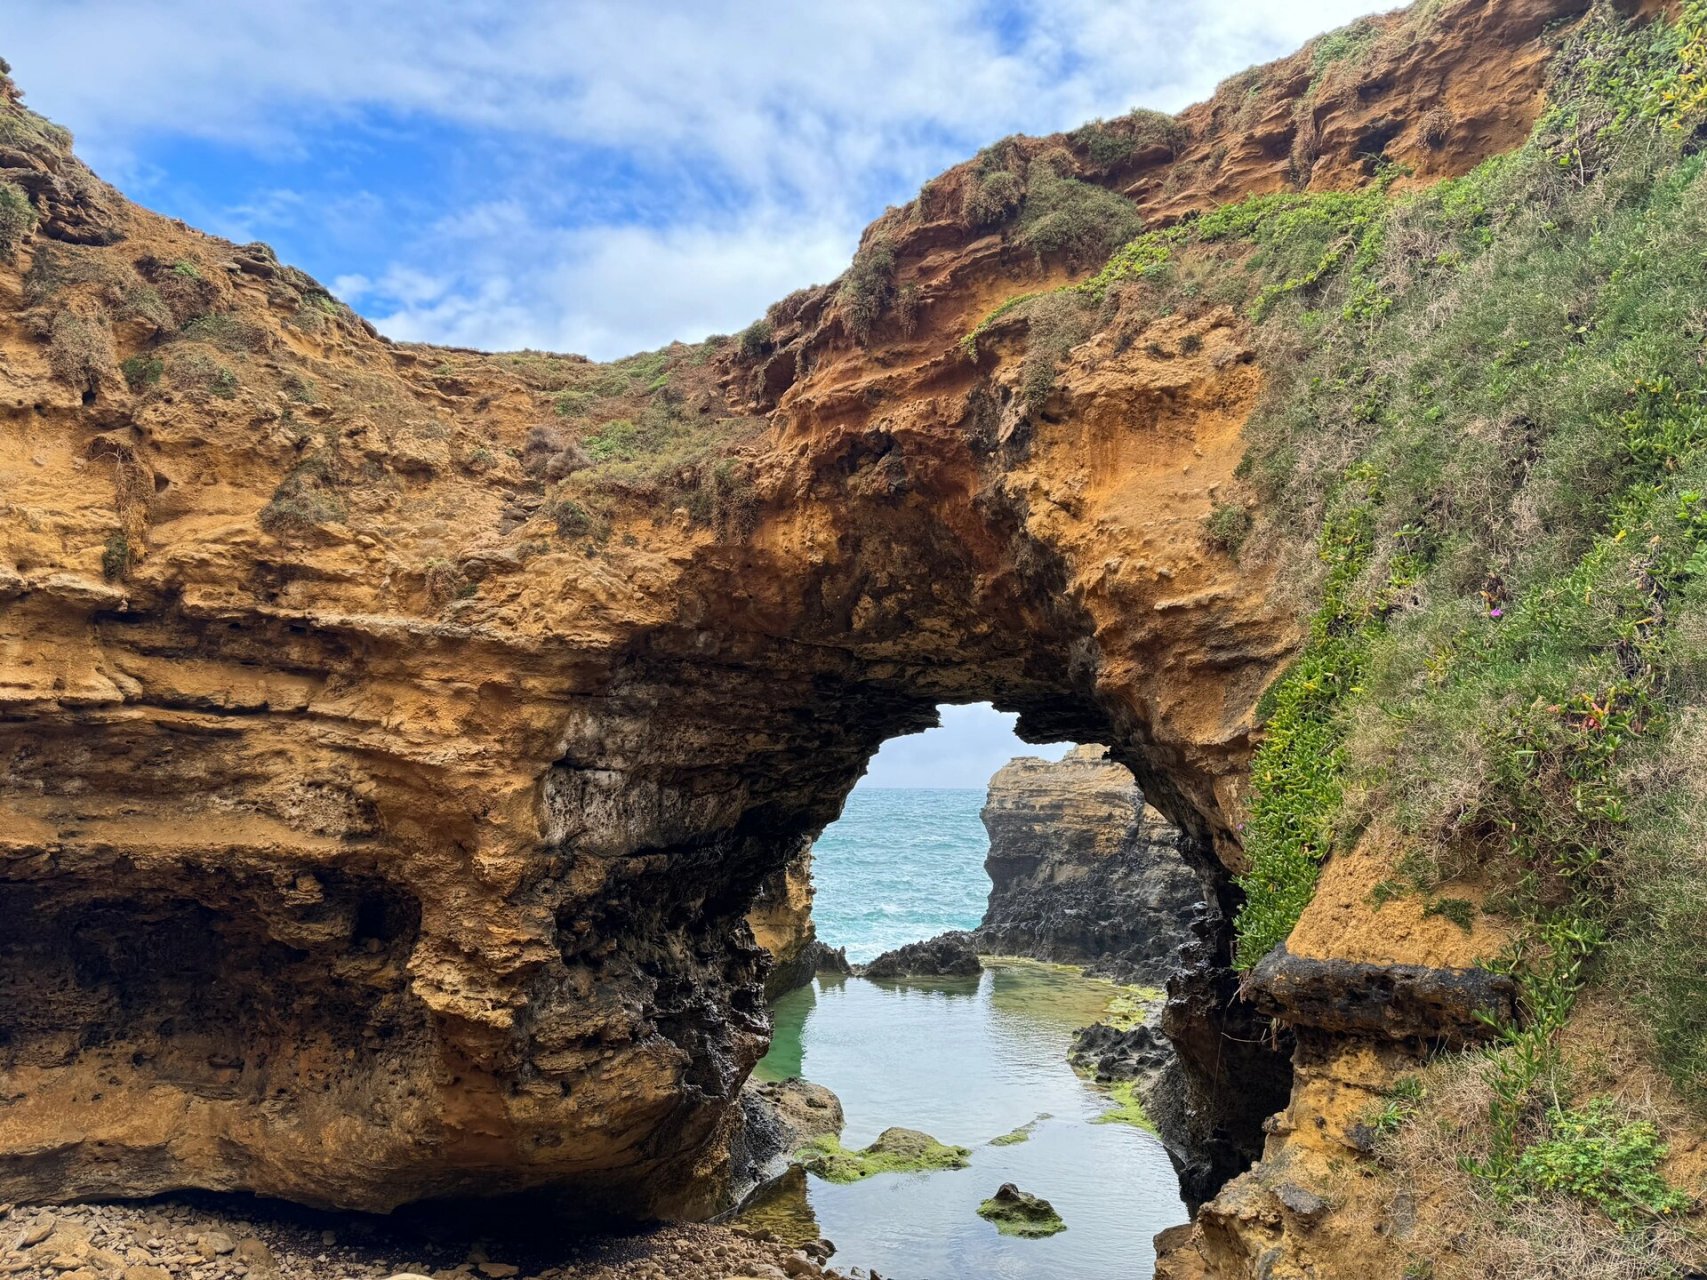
x: 757, y: 139
x: 607, y: 290
x: 969, y: 746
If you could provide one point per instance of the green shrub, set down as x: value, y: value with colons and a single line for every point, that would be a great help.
x: 81, y: 351
x: 1227, y: 527
x: 141, y: 372
x: 1108, y: 144
x: 1461, y: 911
x: 200, y: 372
x: 1351, y: 43
x: 227, y: 332
x: 17, y: 219
x: 299, y: 511
x: 868, y: 288
x: 1055, y: 324
x: 1611, y: 1165
x: 1063, y: 217
x: 306, y: 497
x: 990, y: 198
x: 115, y: 558
x: 571, y: 518
x: 756, y: 338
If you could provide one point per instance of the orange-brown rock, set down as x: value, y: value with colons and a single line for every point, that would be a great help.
x: 781, y: 921
x: 369, y: 834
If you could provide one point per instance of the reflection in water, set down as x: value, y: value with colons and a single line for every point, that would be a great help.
x: 966, y: 1064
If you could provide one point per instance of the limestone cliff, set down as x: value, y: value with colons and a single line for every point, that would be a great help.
x: 388, y: 781
x: 781, y: 921
x: 1082, y: 871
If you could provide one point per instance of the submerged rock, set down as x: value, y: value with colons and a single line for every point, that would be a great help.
x: 1019, y: 1213
x: 1082, y: 871
x: 895, y: 1151
x: 779, y: 1210
x: 948, y: 955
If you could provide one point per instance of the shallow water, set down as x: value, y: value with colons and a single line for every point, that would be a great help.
x: 966, y: 1063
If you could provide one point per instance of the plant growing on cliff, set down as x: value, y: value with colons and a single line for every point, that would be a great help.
x: 81, y: 351
x: 868, y: 288
x: 17, y: 219
x: 1076, y: 221
x: 1227, y: 527
x: 1612, y: 1163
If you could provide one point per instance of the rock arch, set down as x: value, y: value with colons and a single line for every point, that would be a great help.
x: 480, y: 864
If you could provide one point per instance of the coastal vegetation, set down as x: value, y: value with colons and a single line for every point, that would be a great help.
x: 1480, y: 459
x: 894, y: 1151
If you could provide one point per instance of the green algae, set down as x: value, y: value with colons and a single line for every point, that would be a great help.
x: 895, y: 1151
x: 1130, y: 1006
x: 1058, y: 995
x: 1016, y: 1136
x: 1018, y: 1213
x: 1126, y: 1108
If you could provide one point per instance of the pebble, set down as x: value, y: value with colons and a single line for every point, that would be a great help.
x: 34, y: 1235
x: 193, y: 1240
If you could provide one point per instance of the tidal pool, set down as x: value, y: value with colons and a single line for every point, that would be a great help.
x: 969, y: 1062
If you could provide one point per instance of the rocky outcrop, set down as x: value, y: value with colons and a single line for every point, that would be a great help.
x: 948, y: 955
x: 1082, y: 871
x: 781, y: 921
x: 1395, y: 1001
x: 777, y: 1119
x: 381, y: 812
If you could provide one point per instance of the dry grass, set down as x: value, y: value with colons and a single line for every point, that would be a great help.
x: 81, y: 352
x: 1474, y: 1235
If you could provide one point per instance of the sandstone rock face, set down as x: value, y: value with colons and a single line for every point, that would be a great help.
x: 1082, y: 871
x: 781, y: 921
x: 375, y: 828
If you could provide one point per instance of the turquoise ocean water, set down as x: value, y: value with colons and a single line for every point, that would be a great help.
x: 899, y: 866
x: 966, y: 1061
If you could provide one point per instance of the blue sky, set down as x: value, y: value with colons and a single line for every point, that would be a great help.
x: 973, y: 742
x: 596, y: 177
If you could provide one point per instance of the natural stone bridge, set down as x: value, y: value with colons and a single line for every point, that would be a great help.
x: 319, y: 885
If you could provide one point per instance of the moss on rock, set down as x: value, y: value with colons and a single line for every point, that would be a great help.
x: 1019, y: 1213
x: 895, y: 1151
x: 1125, y: 1107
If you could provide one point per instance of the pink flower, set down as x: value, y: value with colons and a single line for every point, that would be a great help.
x: 1496, y: 613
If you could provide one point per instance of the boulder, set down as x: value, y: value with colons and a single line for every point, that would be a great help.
x: 948, y: 955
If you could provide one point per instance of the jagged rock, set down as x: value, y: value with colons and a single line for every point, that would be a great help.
x: 781, y: 920
x: 831, y: 960
x: 777, y: 1119
x: 1082, y: 871
x: 1397, y: 1001
x: 948, y: 955
x: 1108, y: 1053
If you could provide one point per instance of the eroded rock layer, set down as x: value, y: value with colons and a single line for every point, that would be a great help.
x: 381, y: 824
x: 1082, y: 871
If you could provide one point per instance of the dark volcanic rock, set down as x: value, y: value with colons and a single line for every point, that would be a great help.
x: 1395, y: 1001
x: 832, y: 960
x: 1231, y: 1071
x: 1082, y: 871
x: 778, y: 1118
x: 948, y: 955
x: 1107, y: 1053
